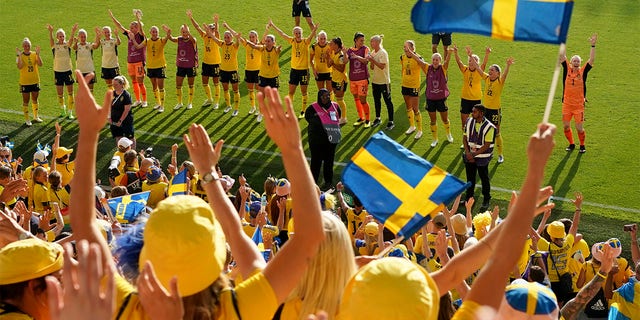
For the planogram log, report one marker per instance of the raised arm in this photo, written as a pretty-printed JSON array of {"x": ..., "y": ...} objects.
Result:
[
  {"x": 168, "y": 31},
  {"x": 488, "y": 288},
  {"x": 233, "y": 33},
  {"x": 212, "y": 35},
  {"x": 510, "y": 61},
  {"x": 138, "y": 14},
  {"x": 117, "y": 23},
  {"x": 571, "y": 309},
  {"x": 485, "y": 60},
  {"x": 447, "y": 58},
  {"x": 417, "y": 58},
  {"x": 576, "y": 216},
  {"x": 288, "y": 266},
  {"x": 135, "y": 42},
  {"x": 91, "y": 119},
  {"x": 279, "y": 31},
  {"x": 205, "y": 156},
  {"x": 592, "y": 52},
  {"x": 461, "y": 65},
  {"x": 313, "y": 32},
  {"x": 543, "y": 222},
  {"x": 195, "y": 23},
  {"x": 50, "y": 28}
]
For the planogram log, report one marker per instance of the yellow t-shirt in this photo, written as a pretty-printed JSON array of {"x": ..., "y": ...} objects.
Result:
[
  {"x": 253, "y": 58},
  {"x": 29, "y": 73},
  {"x": 560, "y": 255},
  {"x": 300, "y": 54},
  {"x": 337, "y": 75},
  {"x": 411, "y": 72},
  {"x": 40, "y": 197},
  {"x": 320, "y": 58},
  {"x": 471, "y": 84},
  {"x": 269, "y": 68},
  {"x": 158, "y": 192},
  {"x": 61, "y": 196},
  {"x": 155, "y": 53},
  {"x": 229, "y": 57},
  {"x": 255, "y": 299},
  {"x": 211, "y": 51},
  {"x": 492, "y": 93},
  {"x": 61, "y": 57},
  {"x": 354, "y": 220},
  {"x": 67, "y": 170}
]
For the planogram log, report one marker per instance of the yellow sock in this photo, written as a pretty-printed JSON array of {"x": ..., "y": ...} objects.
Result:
[
  {"x": 305, "y": 98},
  {"x": 34, "y": 108},
  {"x": 227, "y": 97},
  {"x": 179, "y": 94},
  {"x": 156, "y": 95},
  {"x": 25, "y": 110},
  {"x": 343, "y": 107},
  {"x": 70, "y": 102},
  {"x": 236, "y": 100},
  {"x": 61, "y": 100},
  {"x": 418, "y": 121},
  {"x": 161, "y": 94},
  {"x": 216, "y": 92},
  {"x": 191, "y": 90},
  {"x": 434, "y": 131},
  {"x": 252, "y": 97},
  {"x": 447, "y": 127},
  {"x": 499, "y": 144},
  {"x": 207, "y": 91},
  {"x": 411, "y": 116}
]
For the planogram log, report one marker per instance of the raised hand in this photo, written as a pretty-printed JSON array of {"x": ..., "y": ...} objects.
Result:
[
  {"x": 91, "y": 116},
  {"x": 281, "y": 125},
  {"x": 82, "y": 294},
  {"x": 201, "y": 151},
  {"x": 578, "y": 200},
  {"x": 157, "y": 302}
]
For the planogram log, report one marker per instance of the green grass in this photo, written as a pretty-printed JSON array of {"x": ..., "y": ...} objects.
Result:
[{"x": 603, "y": 174}]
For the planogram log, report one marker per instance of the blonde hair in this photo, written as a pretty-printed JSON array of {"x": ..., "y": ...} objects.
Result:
[
  {"x": 26, "y": 40},
  {"x": 123, "y": 80},
  {"x": 436, "y": 55},
  {"x": 82, "y": 31},
  {"x": 329, "y": 271},
  {"x": 378, "y": 37},
  {"x": 61, "y": 31}
]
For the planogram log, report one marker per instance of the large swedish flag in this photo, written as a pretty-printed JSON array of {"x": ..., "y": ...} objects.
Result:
[
  {"x": 128, "y": 207},
  {"x": 397, "y": 187},
  {"x": 178, "y": 184},
  {"x": 516, "y": 20}
]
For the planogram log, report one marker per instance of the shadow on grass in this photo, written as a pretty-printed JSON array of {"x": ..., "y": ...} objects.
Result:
[
  {"x": 553, "y": 181},
  {"x": 564, "y": 188}
]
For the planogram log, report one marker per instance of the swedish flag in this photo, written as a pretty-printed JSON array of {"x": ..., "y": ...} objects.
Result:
[
  {"x": 397, "y": 187},
  {"x": 178, "y": 184},
  {"x": 128, "y": 207},
  {"x": 515, "y": 20}
]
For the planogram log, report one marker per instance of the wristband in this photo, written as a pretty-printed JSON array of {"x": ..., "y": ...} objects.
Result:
[
  {"x": 604, "y": 276},
  {"x": 593, "y": 46}
]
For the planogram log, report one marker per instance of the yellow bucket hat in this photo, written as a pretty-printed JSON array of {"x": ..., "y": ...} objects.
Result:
[
  {"x": 183, "y": 238},
  {"x": 410, "y": 292},
  {"x": 556, "y": 230},
  {"x": 29, "y": 259}
]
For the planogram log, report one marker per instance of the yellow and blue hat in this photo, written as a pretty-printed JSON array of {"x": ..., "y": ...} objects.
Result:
[
  {"x": 283, "y": 187},
  {"x": 531, "y": 299}
]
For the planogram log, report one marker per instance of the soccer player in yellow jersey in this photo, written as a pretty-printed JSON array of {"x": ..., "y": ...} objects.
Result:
[
  {"x": 211, "y": 60},
  {"x": 28, "y": 62},
  {"x": 319, "y": 61},
  {"x": 411, "y": 78},
  {"x": 299, "y": 74},
  {"x": 156, "y": 65},
  {"x": 229, "y": 67},
  {"x": 494, "y": 83},
  {"x": 338, "y": 63},
  {"x": 471, "y": 84},
  {"x": 269, "y": 75},
  {"x": 253, "y": 59},
  {"x": 62, "y": 67}
]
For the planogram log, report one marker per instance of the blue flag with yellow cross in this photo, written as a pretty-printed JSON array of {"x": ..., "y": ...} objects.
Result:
[
  {"x": 545, "y": 21},
  {"x": 397, "y": 187},
  {"x": 128, "y": 207}
]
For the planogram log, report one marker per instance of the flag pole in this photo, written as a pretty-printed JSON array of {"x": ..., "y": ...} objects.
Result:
[
  {"x": 554, "y": 84},
  {"x": 389, "y": 247}
]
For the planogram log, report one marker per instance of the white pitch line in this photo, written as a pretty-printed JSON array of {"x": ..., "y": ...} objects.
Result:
[{"x": 342, "y": 164}]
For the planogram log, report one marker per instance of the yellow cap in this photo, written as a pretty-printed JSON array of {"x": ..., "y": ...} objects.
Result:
[
  {"x": 62, "y": 151},
  {"x": 556, "y": 230},
  {"x": 410, "y": 292},
  {"x": 29, "y": 259},
  {"x": 182, "y": 238},
  {"x": 371, "y": 229}
]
